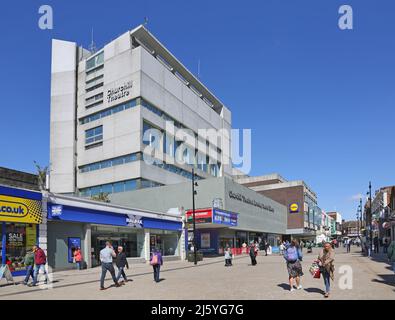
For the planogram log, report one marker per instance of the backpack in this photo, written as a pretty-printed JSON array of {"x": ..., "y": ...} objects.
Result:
[
  {"x": 292, "y": 254},
  {"x": 154, "y": 260}
]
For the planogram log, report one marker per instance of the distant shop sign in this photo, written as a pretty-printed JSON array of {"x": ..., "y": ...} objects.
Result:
[
  {"x": 224, "y": 217},
  {"x": 201, "y": 216},
  {"x": 294, "y": 207},
  {"x": 134, "y": 221}
]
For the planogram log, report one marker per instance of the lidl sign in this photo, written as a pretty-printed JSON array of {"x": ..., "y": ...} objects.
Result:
[
  {"x": 15, "y": 209},
  {"x": 294, "y": 207}
]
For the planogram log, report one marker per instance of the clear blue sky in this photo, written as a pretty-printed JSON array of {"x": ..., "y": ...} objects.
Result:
[{"x": 320, "y": 101}]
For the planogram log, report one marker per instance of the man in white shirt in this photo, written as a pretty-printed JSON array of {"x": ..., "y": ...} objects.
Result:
[{"x": 106, "y": 256}]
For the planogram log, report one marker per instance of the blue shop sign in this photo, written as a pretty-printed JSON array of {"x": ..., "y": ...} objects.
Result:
[
  {"x": 224, "y": 217},
  {"x": 56, "y": 210}
]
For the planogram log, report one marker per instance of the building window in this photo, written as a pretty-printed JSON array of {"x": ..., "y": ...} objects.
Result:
[
  {"x": 109, "y": 163},
  {"x": 116, "y": 187},
  {"x": 151, "y": 135},
  {"x": 108, "y": 112},
  {"x": 95, "y": 61},
  {"x": 94, "y": 135}
]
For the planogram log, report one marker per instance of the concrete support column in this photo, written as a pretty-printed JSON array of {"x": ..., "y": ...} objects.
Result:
[
  {"x": 43, "y": 227},
  {"x": 88, "y": 245},
  {"x": 146, "y": 245}
]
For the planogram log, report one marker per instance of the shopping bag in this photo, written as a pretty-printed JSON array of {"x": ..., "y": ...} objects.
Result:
[{"x": 317, "y": 274}]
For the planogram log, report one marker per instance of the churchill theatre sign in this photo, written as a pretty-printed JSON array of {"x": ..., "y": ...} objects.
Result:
[
  {"x": 119, "y": 92},
  {"x": 252, "y": 202}
]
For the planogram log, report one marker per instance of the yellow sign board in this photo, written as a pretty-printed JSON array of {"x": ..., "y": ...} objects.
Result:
[
  {"x": 14, "y": 209},
  {"x": 294, "y": 207}
]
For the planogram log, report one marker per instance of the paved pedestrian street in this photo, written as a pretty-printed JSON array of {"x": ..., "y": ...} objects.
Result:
[{"x": 371, "y": 279}]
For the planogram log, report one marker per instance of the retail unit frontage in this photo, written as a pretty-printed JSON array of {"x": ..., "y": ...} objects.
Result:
[
  {"x": 227, "y": 213},
  {"x": 75, "y": 222},
  {"x": 20, "y": 217}
]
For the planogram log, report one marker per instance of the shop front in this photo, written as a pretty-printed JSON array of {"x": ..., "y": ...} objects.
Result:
[
  {"x": 213, "y": 234},
  {"x": 20, "y": 216},
  {"x": 89, "y": 225}
]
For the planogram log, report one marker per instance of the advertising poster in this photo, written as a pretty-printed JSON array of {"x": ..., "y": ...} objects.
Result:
[
  {"x": 72, "y": 244},
  {"x": 205, "y": 240}
]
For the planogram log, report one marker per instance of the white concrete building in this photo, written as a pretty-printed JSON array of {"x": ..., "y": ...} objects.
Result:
[{"x": 102, "y": 103}]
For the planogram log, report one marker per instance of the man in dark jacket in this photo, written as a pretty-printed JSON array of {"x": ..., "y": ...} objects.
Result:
[
  {"x": 40, "y": 260},
  {"x": 121, "y": 263}
]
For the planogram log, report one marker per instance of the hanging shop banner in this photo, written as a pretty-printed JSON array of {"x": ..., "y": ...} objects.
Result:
[
  {"x": 20, "y": 210},
  {"x": 201, "y": 216},
  {"x": 224, "y": 217}
]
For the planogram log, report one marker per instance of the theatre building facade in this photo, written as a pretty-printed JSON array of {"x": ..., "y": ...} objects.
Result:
[{"x": 227, "y": 214}]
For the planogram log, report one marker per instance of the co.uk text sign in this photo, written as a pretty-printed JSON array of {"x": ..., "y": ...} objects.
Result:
[{"x": 14, "y": 209}]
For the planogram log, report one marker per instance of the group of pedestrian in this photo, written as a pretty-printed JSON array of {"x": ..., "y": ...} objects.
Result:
[
  {"x": 35, "y": 262},
  {"x": 293, "y": 256},
  {"x": 108, "y": 257}
]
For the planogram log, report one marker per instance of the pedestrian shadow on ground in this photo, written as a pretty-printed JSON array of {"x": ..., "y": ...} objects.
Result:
[
  {"x": 18, "y": 283},
  {"x": 387, "y": 279},
  {"x": 314, "y": 290},
  {"x": 161, "y": 279},
  {"x": 285, "y": 286}
]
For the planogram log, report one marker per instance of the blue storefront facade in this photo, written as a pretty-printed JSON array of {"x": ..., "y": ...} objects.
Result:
[{"x": 75, "y": 222}]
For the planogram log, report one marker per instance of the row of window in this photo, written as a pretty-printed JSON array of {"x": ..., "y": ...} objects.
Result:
[
  {"x": 174, "y": 169},
  {"x": 89, "y": 101},
  {"x": 95, "y": 61},
  {"x": 190, "y": 156},
  {"x": 122, "y": 186},
  {"x": 108, "y": 112},
  {"x": 133, "y": 103},
  {"x": 109, "y": 163}
]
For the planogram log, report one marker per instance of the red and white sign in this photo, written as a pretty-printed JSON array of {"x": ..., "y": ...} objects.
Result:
[{"x": 201, "y": 216}]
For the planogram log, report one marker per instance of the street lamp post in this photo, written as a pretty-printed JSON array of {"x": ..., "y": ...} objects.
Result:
[
  {"x": 370, "y": 218},
  {"x": 193, "y": 216}
]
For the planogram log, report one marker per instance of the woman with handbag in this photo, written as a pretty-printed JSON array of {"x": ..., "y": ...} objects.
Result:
[{"x": 325, "y": 261}]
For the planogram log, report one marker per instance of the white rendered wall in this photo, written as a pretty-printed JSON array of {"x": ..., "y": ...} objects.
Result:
[{"x": 63, "y": 108}]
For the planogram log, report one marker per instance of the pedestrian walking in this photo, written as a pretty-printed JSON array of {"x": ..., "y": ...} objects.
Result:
[
  {"x": 376, "y": 245},
  {"x": 253, "y": 253},
  {"x": 228, "y": 257},
  {"x": 326, "y": 260},
  {"x": 391, "y": 254},
  {"x": 282, "y": 248},
  {"x": 293, "y": 256},
  {"x": 348, "y": 245},
  {"x": 106, "y": 256},
  {"x": 77, "y": 257},
  {"x": 156, "y": 262},
  {"x": 266, "y": 245},
  {"x": 385, "y": 245},
  {"x": 28, "y": 261},
  {"x": 40, "y": 260},
  {"x": 121, "y": 263}
]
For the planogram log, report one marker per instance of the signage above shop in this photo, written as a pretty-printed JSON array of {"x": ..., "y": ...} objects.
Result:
[
  {"x": 201, "y": 216},
  {"x": 242, "y": 198},
  {"x": 224, "y": 217},
  {"x": 15, "y": 209},
  {"x": 56, "y": 210},
  {"x": 134, "y": 221},
  {"x": 119, "y": 92},
  {"x": 294, "y": 207}
]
